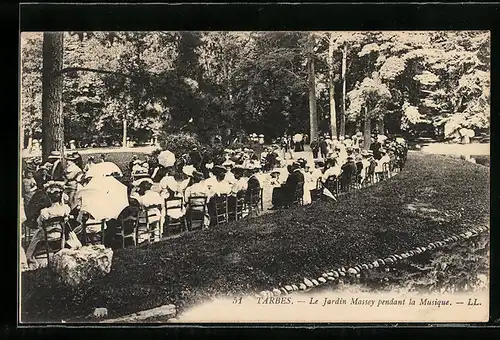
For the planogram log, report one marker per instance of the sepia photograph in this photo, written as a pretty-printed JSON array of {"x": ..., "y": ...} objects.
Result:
[{"x": 186, "y": 177}]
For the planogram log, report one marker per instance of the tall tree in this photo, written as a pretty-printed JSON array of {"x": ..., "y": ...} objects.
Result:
[
  {"x": 313, "y": 116},
  {"x": 52, "y": 86},
  {"x": 344, "y": 94},
  {"x": 331, "y": 85}
]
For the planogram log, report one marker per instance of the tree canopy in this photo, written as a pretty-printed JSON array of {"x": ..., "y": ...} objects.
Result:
[{"x": 229, "y": 83}]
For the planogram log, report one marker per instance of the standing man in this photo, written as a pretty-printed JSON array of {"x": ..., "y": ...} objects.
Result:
[
  {"x": 284, "y": 145},
  {"x": 315, "y": 148},
  {"x": 323, "y": 147},
  {"x": 375, "y": 147}
]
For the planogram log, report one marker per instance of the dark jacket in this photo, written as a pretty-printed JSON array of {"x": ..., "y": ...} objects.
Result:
[
  {"x": 294, "y": 185},
  {"x": 39, "y": 201},
  {"x": 314, "y": 145},
  {"x": 375, "y": 147},
  {"x": 349, "y": 171},
  {"x": 253, "y": 187},
  {"x": 323, "y": 146}
]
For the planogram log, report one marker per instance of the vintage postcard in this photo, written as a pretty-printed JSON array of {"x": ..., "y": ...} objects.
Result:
[{"x": 260, "y": 177}]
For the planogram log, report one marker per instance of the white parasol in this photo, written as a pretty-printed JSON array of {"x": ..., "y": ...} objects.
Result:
[
  {"x": 297, "y": 137},
  {"x": 103, "y": 197},
  {"x": 103, "y": 169},
  {"x": 166, "y": 158}
]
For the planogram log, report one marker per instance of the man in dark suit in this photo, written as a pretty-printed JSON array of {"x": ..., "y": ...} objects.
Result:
[
  {"x": 294, "y": 186},
  {"x": 375, "y": 147},
  {"x": 349, "y": 171}
]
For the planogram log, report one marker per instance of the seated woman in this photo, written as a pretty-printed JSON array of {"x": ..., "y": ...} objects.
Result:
[
  {"x": 198, "y": 188},
  {"x": 279, "y": 193},
  {"x": 331, "y": 168},
  {"x": 379, "y": 168},
  {"x": 152, "y": 202},
  {"x": 172, "y": 188},
  {"x": 309, "y": 184},
  {"x": 38, "y": 201},
  {"x": 238, "y": 190},
  {"x": 217, "y": 187},
  {"x": 54, "y": 191}
]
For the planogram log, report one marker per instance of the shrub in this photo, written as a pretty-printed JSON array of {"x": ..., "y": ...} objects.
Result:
[{"x": 179, "y": 143}]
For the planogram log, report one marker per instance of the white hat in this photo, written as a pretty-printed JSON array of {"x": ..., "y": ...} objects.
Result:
[
  {"x": 228, "y": 163},
  {"x": 139, "y": 181},
  {"x": 188, "y": 170}
]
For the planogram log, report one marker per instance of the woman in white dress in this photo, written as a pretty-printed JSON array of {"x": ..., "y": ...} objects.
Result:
[
  {"x": 198, "y": 188},
  {"x": 57, "y": 209},
  {"x": 309, "y": 184},
  {"x": 173, "y": 186},
  {"x": 151, "y": 201}
]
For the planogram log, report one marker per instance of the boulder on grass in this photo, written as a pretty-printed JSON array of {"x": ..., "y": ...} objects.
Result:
[{"x": 76, "y": 266}]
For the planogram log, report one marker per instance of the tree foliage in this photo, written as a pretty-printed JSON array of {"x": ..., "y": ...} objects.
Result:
[{"x": 233, "y": 83}]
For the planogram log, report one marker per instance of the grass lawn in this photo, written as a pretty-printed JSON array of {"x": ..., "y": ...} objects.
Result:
[{"x": 434, "y": 196}]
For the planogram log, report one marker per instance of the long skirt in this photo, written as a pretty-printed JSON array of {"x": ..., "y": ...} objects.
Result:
[{"x": 297, "y": 147}]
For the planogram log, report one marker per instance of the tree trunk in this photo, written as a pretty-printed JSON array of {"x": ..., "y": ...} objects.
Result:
[
  {"x": 333, "y": 112},
  {"x": 313, "y": 117},
  {"x": 52, "y": 85},
  {"x": 344, "y": 66},
  {"x": 381, "y": 126},
  {"x": 367, "y": 132},
  {"x": 124, "y": 137},
  {"x": 358, "y": 125}
]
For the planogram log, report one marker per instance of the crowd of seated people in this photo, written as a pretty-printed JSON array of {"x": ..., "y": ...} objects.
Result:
[{"x": 198, "y": 191}]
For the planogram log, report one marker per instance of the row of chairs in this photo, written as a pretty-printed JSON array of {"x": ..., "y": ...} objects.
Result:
[
  {"x": 335, "y": 186},
  {"x": 140, "y": 222}
]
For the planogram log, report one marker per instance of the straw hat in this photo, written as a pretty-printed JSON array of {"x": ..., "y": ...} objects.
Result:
[
  {"x": 142, "y": 180},
  {"x": 228, "y": 163},
  {"x": 53, "y": 187},
  {"x": 219, "y": 168},
  {"x": 188, "y": 170},
  {"x": 55, "y": 155}
]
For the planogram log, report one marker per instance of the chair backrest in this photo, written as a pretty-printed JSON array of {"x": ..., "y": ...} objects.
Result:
[
  {"x": 197, "y": 208},
  {"x": 331, "y": 183},
  {"x": 48, "y": 226},
  {"x": 220, "y": 202},
  {"x": 254, "y": 195},
  {"x": 299, "y": 191},
  {"x": 174, "y": 203},
  {"x": 197, "y": 203},
  {"x": 54, "y": 221},
  {"x": 151, "y": 211}
]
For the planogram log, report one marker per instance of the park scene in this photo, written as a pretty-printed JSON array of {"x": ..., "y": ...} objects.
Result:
[{"x": 161, "y": 170}]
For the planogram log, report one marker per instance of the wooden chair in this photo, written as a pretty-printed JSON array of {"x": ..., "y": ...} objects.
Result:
[
  {"x": 239, "y": 205},
  {"x": 174, "y": 225},
  {"x": 196, "y": 211},
  {"x": 56, "y": 227},
  {"x": 89, "y": 222},
  {"x": 254, "y": 201},
  {"x": 298, "y": 198},
  {"x": 146, "y": 226},
  {"x": 386, "y": 170},
  {"x": 27, "y": 235},
  {"x": 221, "y": 209},
  {"x": 128, "y": 224},
  {"x": 332, "y": 184}
]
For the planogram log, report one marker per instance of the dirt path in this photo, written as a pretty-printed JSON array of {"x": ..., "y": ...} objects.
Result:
[{"x": 457, "y": 149}]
